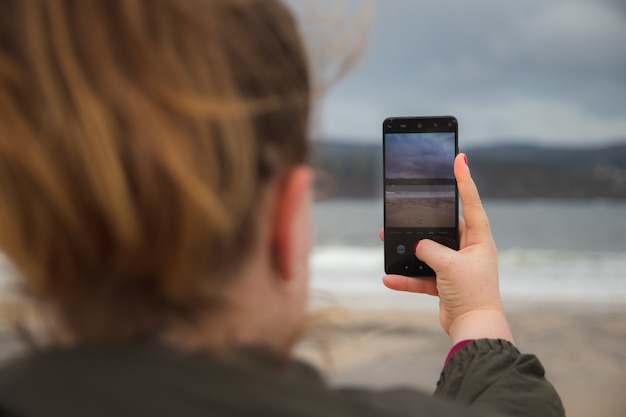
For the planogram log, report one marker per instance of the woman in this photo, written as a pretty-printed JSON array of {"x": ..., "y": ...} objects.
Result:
[{"x": 155, "y": 198}]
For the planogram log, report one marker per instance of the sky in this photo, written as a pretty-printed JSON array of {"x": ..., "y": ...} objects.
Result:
[
  {"x": 419, "y": 155},
  {"x": 551, "y": 72}
]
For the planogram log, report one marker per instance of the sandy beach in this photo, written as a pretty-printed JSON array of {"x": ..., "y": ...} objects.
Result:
[
  {"x": 581, "y": 347},
  {"x": 420, "y": 211}
]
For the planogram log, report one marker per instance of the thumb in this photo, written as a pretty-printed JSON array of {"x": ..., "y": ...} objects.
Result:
[{"x": 434, "y": 254}]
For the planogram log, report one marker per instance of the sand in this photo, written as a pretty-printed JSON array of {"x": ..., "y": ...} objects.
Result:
[
  {"x": 420, "y": 212},
  {"x": 581, "y": 347}
]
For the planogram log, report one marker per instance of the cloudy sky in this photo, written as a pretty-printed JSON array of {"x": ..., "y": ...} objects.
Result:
[
  {"x": 553, "y": 71},
  {"x": 419, "y": 155}
]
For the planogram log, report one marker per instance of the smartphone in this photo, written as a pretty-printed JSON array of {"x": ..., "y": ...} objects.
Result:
[{"x": 420, "y": 195}]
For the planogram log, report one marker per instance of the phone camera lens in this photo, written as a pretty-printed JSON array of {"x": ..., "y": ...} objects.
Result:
[
  {"x": 419, "y": 125},
  {"x": 436, "y": 124}
]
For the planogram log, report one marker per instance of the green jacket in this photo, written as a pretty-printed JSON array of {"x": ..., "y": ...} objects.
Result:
[{"x": 486, "y": 378}]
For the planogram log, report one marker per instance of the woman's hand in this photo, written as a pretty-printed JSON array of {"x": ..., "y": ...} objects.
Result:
[{"x": 467, "y": 280}]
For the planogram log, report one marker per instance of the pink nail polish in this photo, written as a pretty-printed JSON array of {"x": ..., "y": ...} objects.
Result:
[{"x": 465, "y": 158}]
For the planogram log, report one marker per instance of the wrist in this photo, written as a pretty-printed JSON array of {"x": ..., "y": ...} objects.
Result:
[
  {"x": 481, "y": 324},
  {"x": 457, "y": 347}
]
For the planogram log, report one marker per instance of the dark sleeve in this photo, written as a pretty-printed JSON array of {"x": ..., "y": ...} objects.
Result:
[{"x": 494, "y": 374}]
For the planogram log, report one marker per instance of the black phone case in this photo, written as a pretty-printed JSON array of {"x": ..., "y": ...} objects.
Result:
[{"x": 408, "y": 216}]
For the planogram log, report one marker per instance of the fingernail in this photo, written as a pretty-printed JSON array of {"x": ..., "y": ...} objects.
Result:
[
  {"x": 465, "y": 158},
  {"x": 415, "y": 247}
]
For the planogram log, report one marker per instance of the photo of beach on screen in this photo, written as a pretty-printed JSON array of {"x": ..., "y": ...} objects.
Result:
[{"x": 420, "y": 188}]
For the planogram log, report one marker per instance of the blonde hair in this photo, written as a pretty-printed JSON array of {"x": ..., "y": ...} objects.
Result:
[{"x": 135, "y": 138}]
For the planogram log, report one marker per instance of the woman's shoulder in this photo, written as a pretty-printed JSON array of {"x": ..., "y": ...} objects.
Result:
[{"x": 156, "y": 380}]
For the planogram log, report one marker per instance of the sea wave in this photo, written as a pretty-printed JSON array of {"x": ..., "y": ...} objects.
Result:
[{"x": 352, "y": 277}]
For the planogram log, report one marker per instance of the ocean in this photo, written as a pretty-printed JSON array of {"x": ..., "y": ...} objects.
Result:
[
  {"x": 571, "y": 252},
  {"x": 549, "y": 252}
]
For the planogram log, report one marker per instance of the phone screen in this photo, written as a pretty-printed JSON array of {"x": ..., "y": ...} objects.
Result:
[{"x": 421, "y": 197}]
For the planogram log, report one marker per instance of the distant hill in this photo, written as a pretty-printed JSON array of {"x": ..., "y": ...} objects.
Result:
[
  {"x": 347, "y": 170},
  {"x": 501, "y": 171}
]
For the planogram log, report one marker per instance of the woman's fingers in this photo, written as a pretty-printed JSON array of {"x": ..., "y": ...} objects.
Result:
[
  {"x": 411, "y": 284},
  {"x": 436, "y": 255},
  {"x": 462, "y": 228},
  {"x": 476, "y": 222}
]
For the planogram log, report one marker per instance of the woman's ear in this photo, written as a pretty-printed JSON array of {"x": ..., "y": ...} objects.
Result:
[{"x": 291, "y": 230}]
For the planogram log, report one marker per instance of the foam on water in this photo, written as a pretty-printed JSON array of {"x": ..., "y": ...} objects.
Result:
[{"x": 352, "y": 276}]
